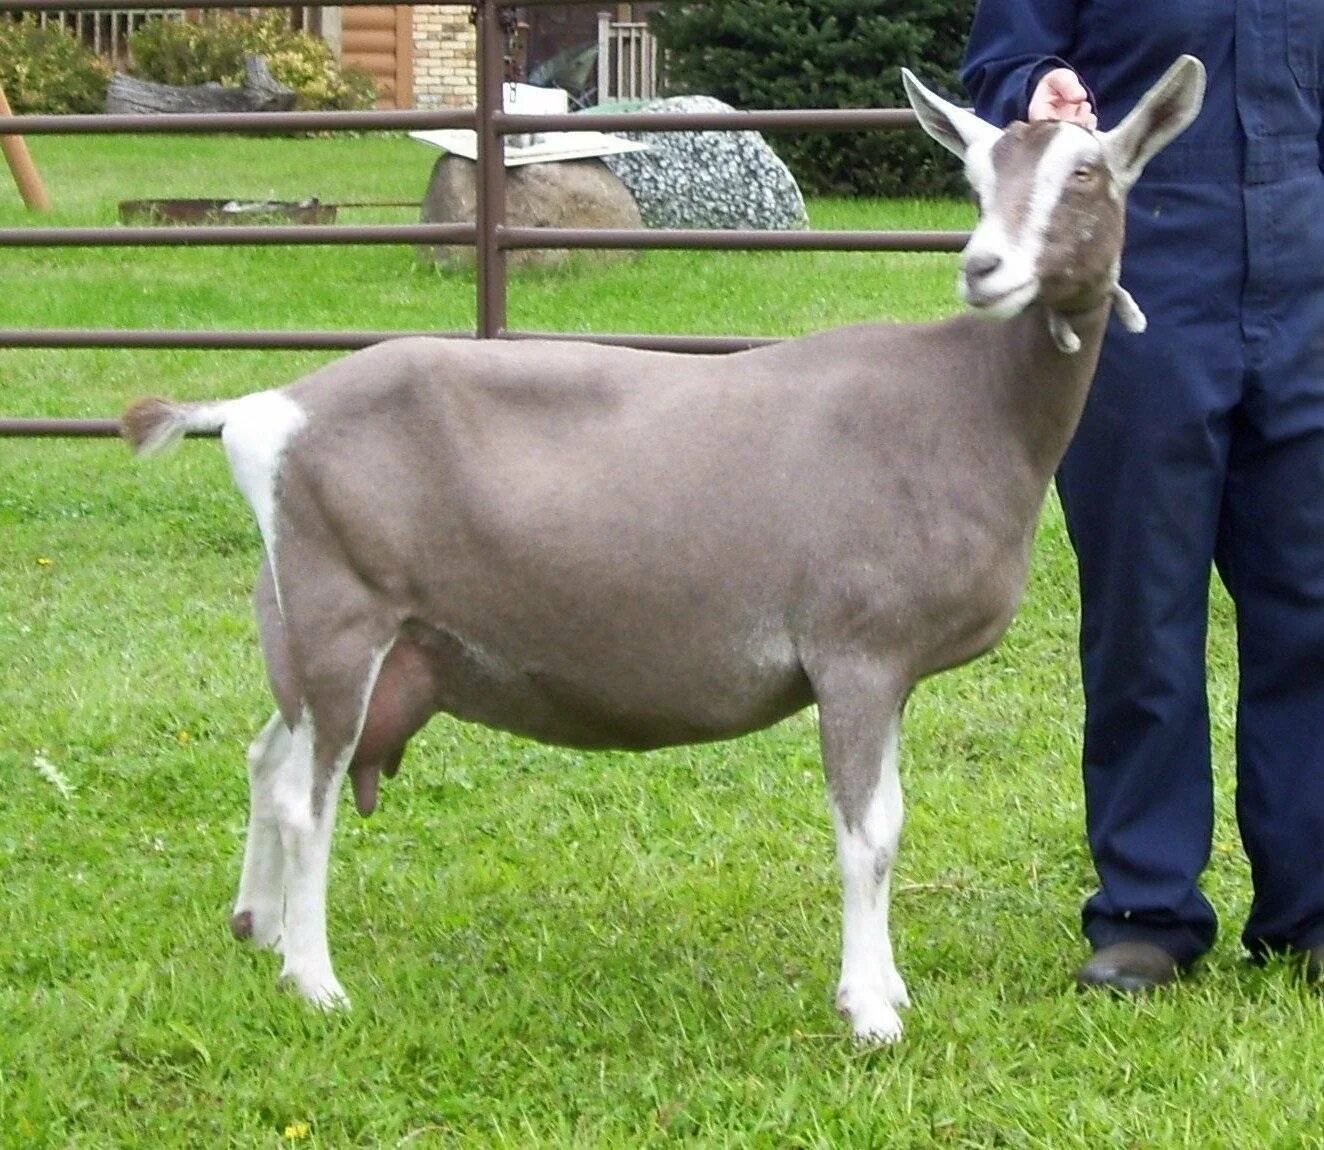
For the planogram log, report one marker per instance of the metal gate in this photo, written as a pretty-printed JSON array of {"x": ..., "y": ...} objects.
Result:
[{"x": 492, "y": 237}]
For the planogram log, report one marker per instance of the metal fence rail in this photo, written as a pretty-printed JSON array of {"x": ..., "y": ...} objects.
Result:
[
  {"x": 233, "y": 235},
  {"x": 235, "y": 123},
  {"x": 491, "y": 237}
]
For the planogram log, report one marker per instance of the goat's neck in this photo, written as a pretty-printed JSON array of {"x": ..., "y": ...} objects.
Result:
[{"x": 1043, "y": 387}]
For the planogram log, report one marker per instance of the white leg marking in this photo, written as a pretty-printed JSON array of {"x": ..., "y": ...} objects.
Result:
[
  {"x": 305, "y": 839},
  {"x": 301, "y": 851},
  {"x": 871, "y": 988},
  {"x": 261, "y": 892}
]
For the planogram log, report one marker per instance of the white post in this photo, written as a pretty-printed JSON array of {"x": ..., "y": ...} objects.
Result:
[
  {"x": 604, "y": 56},
  {"x": 331, "y": 29}
]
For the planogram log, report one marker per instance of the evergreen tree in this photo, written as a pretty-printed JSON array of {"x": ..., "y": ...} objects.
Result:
[{"x": 826, "y": 54}]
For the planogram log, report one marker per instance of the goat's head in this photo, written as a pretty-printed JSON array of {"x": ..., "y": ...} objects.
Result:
[{"x": 1052, "y": 198}]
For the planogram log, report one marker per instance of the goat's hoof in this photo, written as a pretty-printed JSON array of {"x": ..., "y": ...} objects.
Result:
[
  {"x": 873, "y": 1019},
  {"x": 262, "y": 930},
  {"x": 322, "y": 991},
  {"x": 894, "y": 987}
]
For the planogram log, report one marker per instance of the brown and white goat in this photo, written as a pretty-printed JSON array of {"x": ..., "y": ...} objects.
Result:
[{"x": 600, "y": 547}]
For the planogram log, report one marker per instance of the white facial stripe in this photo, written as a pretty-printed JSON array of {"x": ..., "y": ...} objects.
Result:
[
  {"x": 1067, "y": 151},
  {"x": 1014, "y": 284},
  {"x": 990, "y": 238}
]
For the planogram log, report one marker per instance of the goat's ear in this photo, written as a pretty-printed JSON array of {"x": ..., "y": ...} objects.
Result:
[
  {"x": 1164, "y": 112},
  {"x": 954, "y": 128}
]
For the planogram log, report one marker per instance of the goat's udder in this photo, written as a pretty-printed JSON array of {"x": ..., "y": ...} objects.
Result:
[
  {"x": 366, "y": 780},
  {"x": 401, "y": 702},
  {"x": 366, "y": 777}
]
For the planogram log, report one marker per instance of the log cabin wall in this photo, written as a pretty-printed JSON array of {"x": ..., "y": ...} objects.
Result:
[{"x": 379, "y": 40}]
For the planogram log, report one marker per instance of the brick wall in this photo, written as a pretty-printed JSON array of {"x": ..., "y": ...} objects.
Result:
[{"x": 445, "y": 73}]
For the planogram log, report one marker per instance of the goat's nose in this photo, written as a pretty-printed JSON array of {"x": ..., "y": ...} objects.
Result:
[{"x": 978, "y": 265}]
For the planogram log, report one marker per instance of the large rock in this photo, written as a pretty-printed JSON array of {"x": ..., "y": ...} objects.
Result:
[
  {"x": 708, "y": 179},
  {"x": 566, "y": 194}
]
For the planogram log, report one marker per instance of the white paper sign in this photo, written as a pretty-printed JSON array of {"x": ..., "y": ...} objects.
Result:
[{"x": 535, "y": 148}]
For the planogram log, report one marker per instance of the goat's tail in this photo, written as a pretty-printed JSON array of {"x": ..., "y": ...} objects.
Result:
[{"x": 154, "y": 425}]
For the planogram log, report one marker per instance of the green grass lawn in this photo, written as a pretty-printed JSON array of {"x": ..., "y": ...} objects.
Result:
[{"x": 543, "y": 947}]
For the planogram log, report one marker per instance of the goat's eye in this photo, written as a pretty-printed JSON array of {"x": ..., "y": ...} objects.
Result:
[{"x": 1083, "y": 175}]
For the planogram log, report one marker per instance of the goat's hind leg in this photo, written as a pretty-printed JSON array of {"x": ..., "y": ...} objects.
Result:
[
  {"x": 860, "y": 720},
  {"x": 305, "y": 792},
  {"x": 259, "y": 906},
  {"x": 345, "y": 668}
]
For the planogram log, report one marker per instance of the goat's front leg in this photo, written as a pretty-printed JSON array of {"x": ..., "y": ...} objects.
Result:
[
  {"x": 259, "y": 907},
  {"x": 860, "y": 720},
  {"x": 306, "y": 813}
]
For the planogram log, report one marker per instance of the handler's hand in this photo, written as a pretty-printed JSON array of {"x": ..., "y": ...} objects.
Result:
[{"x": 1061, "y": 96}]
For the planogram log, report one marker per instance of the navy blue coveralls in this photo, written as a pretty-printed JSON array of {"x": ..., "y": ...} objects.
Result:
[{"x": 1203, "y": 439}]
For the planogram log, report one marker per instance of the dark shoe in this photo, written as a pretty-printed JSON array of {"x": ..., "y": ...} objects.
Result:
[
  {"x": 1315, "y": 965},
  {"x": 1128, "y": 967}
]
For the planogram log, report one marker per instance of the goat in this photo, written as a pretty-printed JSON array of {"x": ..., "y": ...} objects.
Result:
[{"x": 607, "y": 548}]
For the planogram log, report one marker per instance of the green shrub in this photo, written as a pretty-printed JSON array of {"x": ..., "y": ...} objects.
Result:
[
  {"x": 46, "y": 71},
  {"x": 826, "y": 54},
  {"x": 176, "y": 52}
]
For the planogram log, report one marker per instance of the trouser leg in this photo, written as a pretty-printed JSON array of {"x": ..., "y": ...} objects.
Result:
[
  {"x": 1141, "y": 487},
  {"x": 1271, "y": 555}
]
